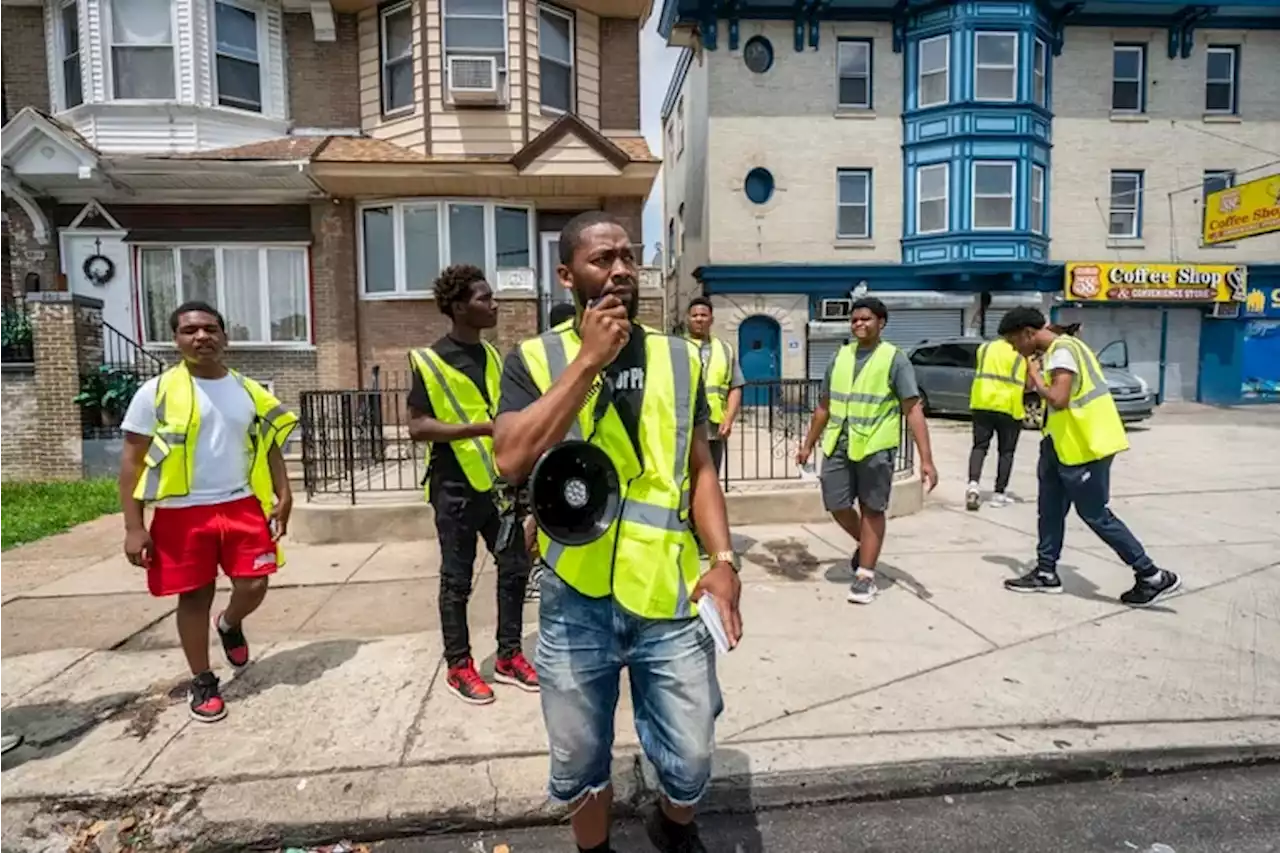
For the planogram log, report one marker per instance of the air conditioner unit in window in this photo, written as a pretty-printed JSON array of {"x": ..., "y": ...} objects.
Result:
[
  {"x": 1226, "y": 310},
  {"x": 518, "y": 278},
  {"x": 474, "y": 80},
  {"x": 835, "y": 309}
]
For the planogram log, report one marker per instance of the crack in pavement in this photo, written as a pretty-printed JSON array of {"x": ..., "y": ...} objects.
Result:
[{"x": 415, "y": 728}]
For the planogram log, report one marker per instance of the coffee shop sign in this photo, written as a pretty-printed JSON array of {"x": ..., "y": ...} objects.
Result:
[{"x": 1101, "y": 281}]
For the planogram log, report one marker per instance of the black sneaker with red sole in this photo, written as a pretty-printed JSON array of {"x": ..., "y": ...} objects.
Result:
[
  {"x": 205, "y": 699},
  {"x": 234, "y": 645}
]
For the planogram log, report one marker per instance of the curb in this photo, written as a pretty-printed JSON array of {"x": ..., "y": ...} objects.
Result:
[{"x": 508, "y": 793}]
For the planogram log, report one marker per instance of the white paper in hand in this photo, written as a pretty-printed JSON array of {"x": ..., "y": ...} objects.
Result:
[{"x": 709, "y": 612}]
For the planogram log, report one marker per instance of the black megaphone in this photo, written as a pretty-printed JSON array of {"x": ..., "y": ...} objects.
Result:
[{"x": 574, "y": 493}]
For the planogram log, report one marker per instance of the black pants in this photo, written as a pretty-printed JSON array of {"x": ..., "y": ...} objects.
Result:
[
  {"x": 461, "y": 515},
  {"x": 1006, "y": 429}
]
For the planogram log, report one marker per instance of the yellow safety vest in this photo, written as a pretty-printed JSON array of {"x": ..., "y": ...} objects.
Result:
[
  {"x": 1000, "y": 380},
  {"x": 456, "y": 400},
  {"x": 717, "y": 376},
  {"x": 171, "y": 460},
  {"x": 1089, "y": 428},
  {"x": 648, "y": 558},
  {"x": 865, "y": 405}
]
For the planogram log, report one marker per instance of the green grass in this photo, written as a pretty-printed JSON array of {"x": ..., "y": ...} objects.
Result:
[{"x": 31, "y": 511}]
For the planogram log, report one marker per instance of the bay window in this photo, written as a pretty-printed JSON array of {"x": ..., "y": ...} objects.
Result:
[
  {"x": 397, "y": 57},
  {"x": 405, "y": 245},
  {"x": 933, "y": 76},
  {"x": 933, "y": 195},
  {"x": 993, "y": 195},
  {"x": 476, "y": 28},
  {"x": 237, "y": 61},
  {"x": 142, "y": 50},
  {"x": 995, "y": 61},
  {"x": 69, "y": 53},
  {"x": 555, "y": 58},
  {"x": 260, "y": 290}
]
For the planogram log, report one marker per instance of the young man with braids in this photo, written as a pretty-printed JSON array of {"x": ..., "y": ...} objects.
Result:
[{"x": 451, "y": 406}]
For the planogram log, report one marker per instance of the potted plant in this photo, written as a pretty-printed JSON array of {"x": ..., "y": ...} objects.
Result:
[{"x": 108, "y": 391}]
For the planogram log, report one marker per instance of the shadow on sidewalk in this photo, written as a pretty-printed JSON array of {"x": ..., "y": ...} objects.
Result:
[
  {"x": 1073, "y": 583},
  {"x": 888, "y": 576},
  {"x": 295, "y": 667},
  {"x": 731, "y": 792}
]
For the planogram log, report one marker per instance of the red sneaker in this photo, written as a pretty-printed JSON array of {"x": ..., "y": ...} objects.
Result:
[
  {"x": 516, "y": 670},
  {"x": 467, "y": 684},
  {"x": 205, "y": 699}
]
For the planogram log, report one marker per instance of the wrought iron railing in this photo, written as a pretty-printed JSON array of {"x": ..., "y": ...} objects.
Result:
[
  {"x": 107, "y": 387},
  {"x": 356, "y": 442},
  {"x": 16, "y": 338}
]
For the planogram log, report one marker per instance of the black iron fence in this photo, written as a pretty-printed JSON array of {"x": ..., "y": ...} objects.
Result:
[
  {"x": 107, "y": 388},
  {"x": 16, "y": 339},
  {"x": 356, "y": 443}
]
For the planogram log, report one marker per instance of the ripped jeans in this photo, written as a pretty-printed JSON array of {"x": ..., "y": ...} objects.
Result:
[{"x": 583, "y": 644}]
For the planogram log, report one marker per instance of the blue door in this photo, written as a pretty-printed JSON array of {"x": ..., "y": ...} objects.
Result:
[{"x": 760, "y": 353}]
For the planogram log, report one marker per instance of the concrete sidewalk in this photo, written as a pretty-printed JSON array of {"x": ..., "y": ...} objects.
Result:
[{"x": 341, "y": 725}]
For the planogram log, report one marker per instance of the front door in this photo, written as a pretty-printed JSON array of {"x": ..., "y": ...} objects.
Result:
[
  {"x": 96, "y": 264},
  {"x": 760, "y": 356},
  {"x": 549, "y": 291}
]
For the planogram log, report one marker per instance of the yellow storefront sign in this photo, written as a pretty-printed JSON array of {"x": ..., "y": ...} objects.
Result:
[
  {"x": 1245, "y": 211},
  {"x": 1104, "y": 281}
]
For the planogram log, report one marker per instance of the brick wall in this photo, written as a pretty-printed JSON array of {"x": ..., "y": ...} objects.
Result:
[
  {"x": 620, "y": 74},
  {"x": 20, "y": 438},
  {"x": 335, "y": 305},
  {"x": 22, "y": 64},
  {"x": 27, "y": 254},
  {"x": 324, "y": 77},
  {"x": 290, "y": 372},
  {"x": 58, "y": 320},
  {"x": 629, "y": 210}
]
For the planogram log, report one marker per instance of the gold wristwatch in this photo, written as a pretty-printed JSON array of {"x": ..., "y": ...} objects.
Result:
[{"x": 726, "y": 557}]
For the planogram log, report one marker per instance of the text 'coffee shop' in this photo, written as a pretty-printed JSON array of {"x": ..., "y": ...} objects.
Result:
[{"x": 1157, "y": 311}]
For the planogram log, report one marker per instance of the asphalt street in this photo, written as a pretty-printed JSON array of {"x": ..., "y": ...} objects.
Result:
[{"x": 1221, "y": 811}]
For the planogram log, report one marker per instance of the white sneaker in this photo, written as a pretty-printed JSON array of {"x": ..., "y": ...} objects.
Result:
[
  {"x": 972, "y": 497},
  {"x": 1000, "y": 499}
]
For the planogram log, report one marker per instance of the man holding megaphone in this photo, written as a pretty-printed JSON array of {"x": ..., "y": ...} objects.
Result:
[{"x": 635, "y": 402}]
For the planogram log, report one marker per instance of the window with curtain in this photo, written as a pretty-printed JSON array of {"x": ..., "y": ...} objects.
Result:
[
  {"x": 555, "y": 58},
  {"x": 69, "y": 49},
  {"x": 142, "y": 50},
  {"x": 405, "y": 245},
  {"x": 238, "y": 64},
  {"x": 260, "y": 290},
  {"x": 397, "y": 57}
]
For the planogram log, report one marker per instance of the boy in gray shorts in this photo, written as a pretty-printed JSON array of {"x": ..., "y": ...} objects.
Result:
[{"x": 869, "y": 386}]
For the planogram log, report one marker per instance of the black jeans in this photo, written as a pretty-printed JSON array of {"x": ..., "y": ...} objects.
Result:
[
  {"x": 461, "y": 515},
  {"x": 1087, "y": 486},
  {"x": 1006, "y": 430}
]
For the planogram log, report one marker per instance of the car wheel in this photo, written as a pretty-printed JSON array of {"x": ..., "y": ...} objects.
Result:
[{"x": 1031, "y": 417}]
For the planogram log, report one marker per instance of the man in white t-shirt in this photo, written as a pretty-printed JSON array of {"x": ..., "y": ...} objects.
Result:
[{"x": 202, "y": 445}]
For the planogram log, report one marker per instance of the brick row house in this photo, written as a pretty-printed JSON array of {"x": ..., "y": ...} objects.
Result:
[{"x": 309, "y": 167}]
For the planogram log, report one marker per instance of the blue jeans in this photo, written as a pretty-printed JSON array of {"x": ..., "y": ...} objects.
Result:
[
  {"x": 583, "y": 644},
  {"x": 1087, "y": 486}
]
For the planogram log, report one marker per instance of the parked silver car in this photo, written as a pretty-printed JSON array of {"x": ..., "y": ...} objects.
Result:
[{"x": 945, "y": 369}]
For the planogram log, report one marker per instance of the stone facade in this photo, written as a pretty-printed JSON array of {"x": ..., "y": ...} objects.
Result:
[
  {"x": 791, "y": 312},
  {"x": 29, "y": 255}
]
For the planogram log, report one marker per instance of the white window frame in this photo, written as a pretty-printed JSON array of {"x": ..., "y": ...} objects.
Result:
[
  {"x": 859, "y": 44},
  {"x": 110, "y": 58},
  {"x": 974, "y": 195},
  {"x": 384, "y": 62},
  {"x": 1139, "y": 180},
  {"x": 555, "y": 11},
  {"x": 399, "y": 206},
  {"x": 260, "y": 23},
  {"x": 1038, "y": 177},
  {"x": 504, "y": 62},
  {"x": 1233, "y": 81},
  {"x": 979, "y": 66},
  {"x": 1040, "y": 73},
  {"x": 945, "y": 71},
  {"x": 220, "y": 288},
  {"x": 1141, "y": 51},
  {"x": 865, "y": 174},
  {"x": 64, "y": 54},
  {"x": 945, "y": 198}
]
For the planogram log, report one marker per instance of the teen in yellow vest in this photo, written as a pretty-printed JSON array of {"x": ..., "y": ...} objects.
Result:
[
  {"x": 721, "y": 372},
  {"x": 202, "y": 445},
  {"x": 1082, "y": 434},
  {"x": 630, "y": 598},
  {"x": 869, "y": 385},
  {"x": 995, "y": 401},
  {"x": 451, "y": 407}
]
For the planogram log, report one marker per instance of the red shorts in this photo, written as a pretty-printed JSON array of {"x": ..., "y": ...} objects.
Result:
[{"x": 189, "y": 543}]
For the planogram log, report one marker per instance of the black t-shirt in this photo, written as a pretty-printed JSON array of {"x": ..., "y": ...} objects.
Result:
[
  {"x": 626, "y": 375},
  {"x": 470, "y": 360}
]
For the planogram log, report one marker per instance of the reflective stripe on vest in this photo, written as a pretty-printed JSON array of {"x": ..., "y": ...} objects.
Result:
[
  {"x": 1000, "y": 380},
  {"x": 447, "y": 387},
  {"x": 863, "y": 406},
  {"x": 652, "y": 529},
  {"x": 169, "y": 464},
  {"x": 1089, "y": 428}
]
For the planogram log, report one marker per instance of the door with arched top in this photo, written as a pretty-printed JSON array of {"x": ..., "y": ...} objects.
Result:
[{"x": 760, "y": 353}]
